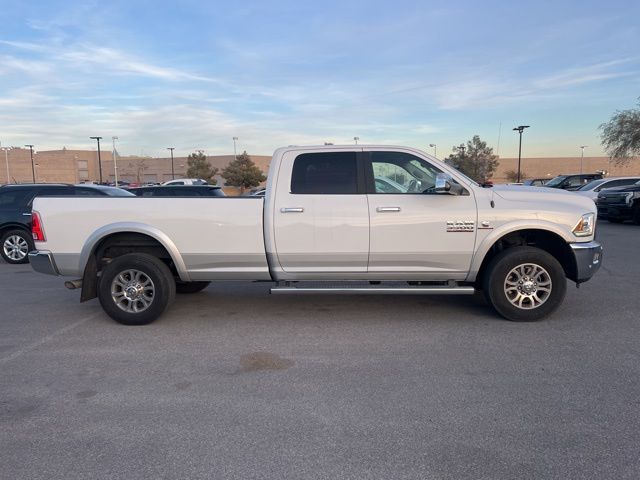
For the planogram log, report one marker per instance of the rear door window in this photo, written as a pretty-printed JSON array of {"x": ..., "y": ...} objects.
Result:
[
  {"x": 15, "y": 198},
  {"x": 332, "y": 173}
]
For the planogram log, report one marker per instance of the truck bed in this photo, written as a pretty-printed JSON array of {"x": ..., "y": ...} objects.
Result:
[{"x": 213, "y": 237}]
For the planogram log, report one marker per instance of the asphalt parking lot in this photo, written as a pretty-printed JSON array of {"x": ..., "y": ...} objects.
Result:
[{"x": 233, "y": 383}]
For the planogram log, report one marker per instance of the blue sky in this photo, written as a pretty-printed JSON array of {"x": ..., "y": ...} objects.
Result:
[{"x": 194, "y": 74}]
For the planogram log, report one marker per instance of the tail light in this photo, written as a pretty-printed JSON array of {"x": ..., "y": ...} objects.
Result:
[{"x": 36, "y": 227}]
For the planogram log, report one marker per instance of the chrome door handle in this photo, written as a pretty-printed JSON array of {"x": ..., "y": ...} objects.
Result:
[
  {"x": 292, "y": 210},
  {"x": 388, "y": 209}
]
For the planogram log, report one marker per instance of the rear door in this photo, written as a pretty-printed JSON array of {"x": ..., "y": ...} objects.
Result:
[{"x": 321, "y": 215}]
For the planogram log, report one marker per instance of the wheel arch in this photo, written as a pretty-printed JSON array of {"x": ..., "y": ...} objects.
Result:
[{"x": 551, "y": 240}]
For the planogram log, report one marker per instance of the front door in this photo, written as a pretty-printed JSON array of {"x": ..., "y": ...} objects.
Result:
[
  {"x": 321, "y": 215},
  {"x": 413, "y": 229}
]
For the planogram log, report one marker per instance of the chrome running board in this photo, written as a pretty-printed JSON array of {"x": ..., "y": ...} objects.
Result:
[{"x": 374, "y": 290}]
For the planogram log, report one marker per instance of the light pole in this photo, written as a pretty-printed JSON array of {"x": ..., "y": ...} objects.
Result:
[
  {"x": 235, "y": 155},
  {"x": 173, "y": 173},
  {"x": 115, "y": 160},
  {"x": 435, "y": 149},
  {"x": 582, "y": 147},
  {"x": 99, "y": 159},
  {"x": 355, "y": 139},
  {"x": 6, "y": 160},
  {"x": 33, "y": 167},
  {"x": 520, "y": 129}
]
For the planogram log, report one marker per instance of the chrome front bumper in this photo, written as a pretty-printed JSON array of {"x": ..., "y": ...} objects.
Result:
[
  {"x": 42, "y": 262},
  {"x": 588, "y": 257}
]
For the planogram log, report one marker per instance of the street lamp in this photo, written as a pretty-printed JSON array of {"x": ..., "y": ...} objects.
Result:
[
  {"x": 33, "y": 167},
  {"x": 115, "y": 160},
  {"x": 355, "y": 139},
  {"x": 173, "y": 173},
  {"x": 582, "y": 147},
  {"x": 99, "y": 159},
  {"x": 520, "y": 129},
  {"x": 235, "y": 155},
  {"x": 6, "y": 160},
  {"x": 435, "y": 149}
]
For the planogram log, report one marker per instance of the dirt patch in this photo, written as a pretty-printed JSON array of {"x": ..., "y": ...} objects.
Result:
[{"x": 252, "y": 362}]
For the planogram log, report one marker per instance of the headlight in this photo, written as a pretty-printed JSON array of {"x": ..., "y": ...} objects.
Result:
[{"x": 585, "y": 226}]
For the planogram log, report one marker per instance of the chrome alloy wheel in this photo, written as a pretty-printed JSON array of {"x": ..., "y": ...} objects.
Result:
[
  {"x": 132, "y": 291},
  {"x": 528, "y": 286},
  {"x": 15, "y": 247}
]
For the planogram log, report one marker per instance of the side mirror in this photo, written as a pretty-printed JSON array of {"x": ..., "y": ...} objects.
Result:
[{"x": 445, "y": 184}]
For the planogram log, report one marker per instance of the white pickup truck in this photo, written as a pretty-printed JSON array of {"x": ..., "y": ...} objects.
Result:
[{"x": 349, "y": 219}]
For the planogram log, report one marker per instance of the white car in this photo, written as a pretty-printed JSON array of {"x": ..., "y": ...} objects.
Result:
[
  {"x": 592, "y": 188},
  {"x": 378, "y": 219},
  {"x": 186, "y": 181}
]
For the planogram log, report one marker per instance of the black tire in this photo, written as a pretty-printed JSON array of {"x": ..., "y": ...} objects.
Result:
[
  {"x": 9, "y": 254},
  {"x": 151, "y": 268},
  {"x": 191, "y": 287},
  {"x": 502, "y": 268}
]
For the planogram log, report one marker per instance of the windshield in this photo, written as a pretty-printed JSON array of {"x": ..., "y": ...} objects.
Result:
[
  {"x": 591, "y": 185},
  {"x": 554, "y": 182}
]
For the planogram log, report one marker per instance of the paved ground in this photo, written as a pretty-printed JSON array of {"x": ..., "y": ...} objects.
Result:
[{"x": 233, "y": 383}]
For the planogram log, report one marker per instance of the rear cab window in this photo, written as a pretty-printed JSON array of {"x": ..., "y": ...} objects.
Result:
[{"x": 331, "y": 173}]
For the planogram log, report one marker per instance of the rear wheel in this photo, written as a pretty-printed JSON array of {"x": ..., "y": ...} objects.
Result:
[
  {"x": 191, "y": 287},
  {"x": 16, "y": 244},
  {"x": 525, "y": 284},
  {"x": 136, "y": 288}
]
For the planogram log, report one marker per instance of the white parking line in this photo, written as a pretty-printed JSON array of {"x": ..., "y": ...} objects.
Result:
[{"x": 44, "y": 340}]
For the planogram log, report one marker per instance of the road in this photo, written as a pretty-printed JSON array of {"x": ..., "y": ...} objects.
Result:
[{"x": 235, "y": 384}]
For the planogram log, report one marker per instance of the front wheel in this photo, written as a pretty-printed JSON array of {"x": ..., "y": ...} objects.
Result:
[
  {"x": 136, "y": 288},
  {"x": 525, "y": 284}
]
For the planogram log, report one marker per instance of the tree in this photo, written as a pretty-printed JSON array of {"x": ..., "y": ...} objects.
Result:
[
  {"x": 475, "y": 159},
  {"x": 243, "y": 173},
  {"x": 621, "y": 134},
  {"x": 199, "y": 167},
  {"x": 512, "y": 175}
]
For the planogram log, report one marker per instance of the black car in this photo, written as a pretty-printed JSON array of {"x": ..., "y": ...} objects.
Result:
[
  {"x": 178, "y": 191},
  {"x": 620, "y": 204},
  {"x": 572, "y": 182},
  {"x": 15, "y": 212}
]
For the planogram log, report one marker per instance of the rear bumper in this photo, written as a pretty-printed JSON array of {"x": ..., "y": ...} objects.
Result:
[
  {"x": 42, "y": 262},
  {"x": 588, "y": 257}
]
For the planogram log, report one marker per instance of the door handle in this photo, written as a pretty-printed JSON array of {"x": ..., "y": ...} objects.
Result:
[
  {"x": 292, "y": 210},
  {"x": 387, "y": 209}
]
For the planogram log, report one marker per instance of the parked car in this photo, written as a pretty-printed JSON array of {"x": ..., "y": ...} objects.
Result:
[
  {"x": 535, "y": 182},
  {"x": 186, "y": 181},
  {"x": 593, "y": 188},
  {"x": 572, "y": 182},
  {"x": 620, "y": 204},
  {"x": 324, "y": 219},
  {"x": 177, "y": 191},
  {"x": 15, "y": 212}
]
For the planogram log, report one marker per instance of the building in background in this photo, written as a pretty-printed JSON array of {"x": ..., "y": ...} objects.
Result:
[{"x": 76, "y": 166}]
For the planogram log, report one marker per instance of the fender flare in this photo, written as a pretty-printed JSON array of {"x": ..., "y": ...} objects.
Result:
[
  {"x": 483, "y": 248},
  {"x": 134, "y": 227}
]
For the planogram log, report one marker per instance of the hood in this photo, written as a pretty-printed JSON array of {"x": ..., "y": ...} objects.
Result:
[{"x": 544, "y": 197}]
